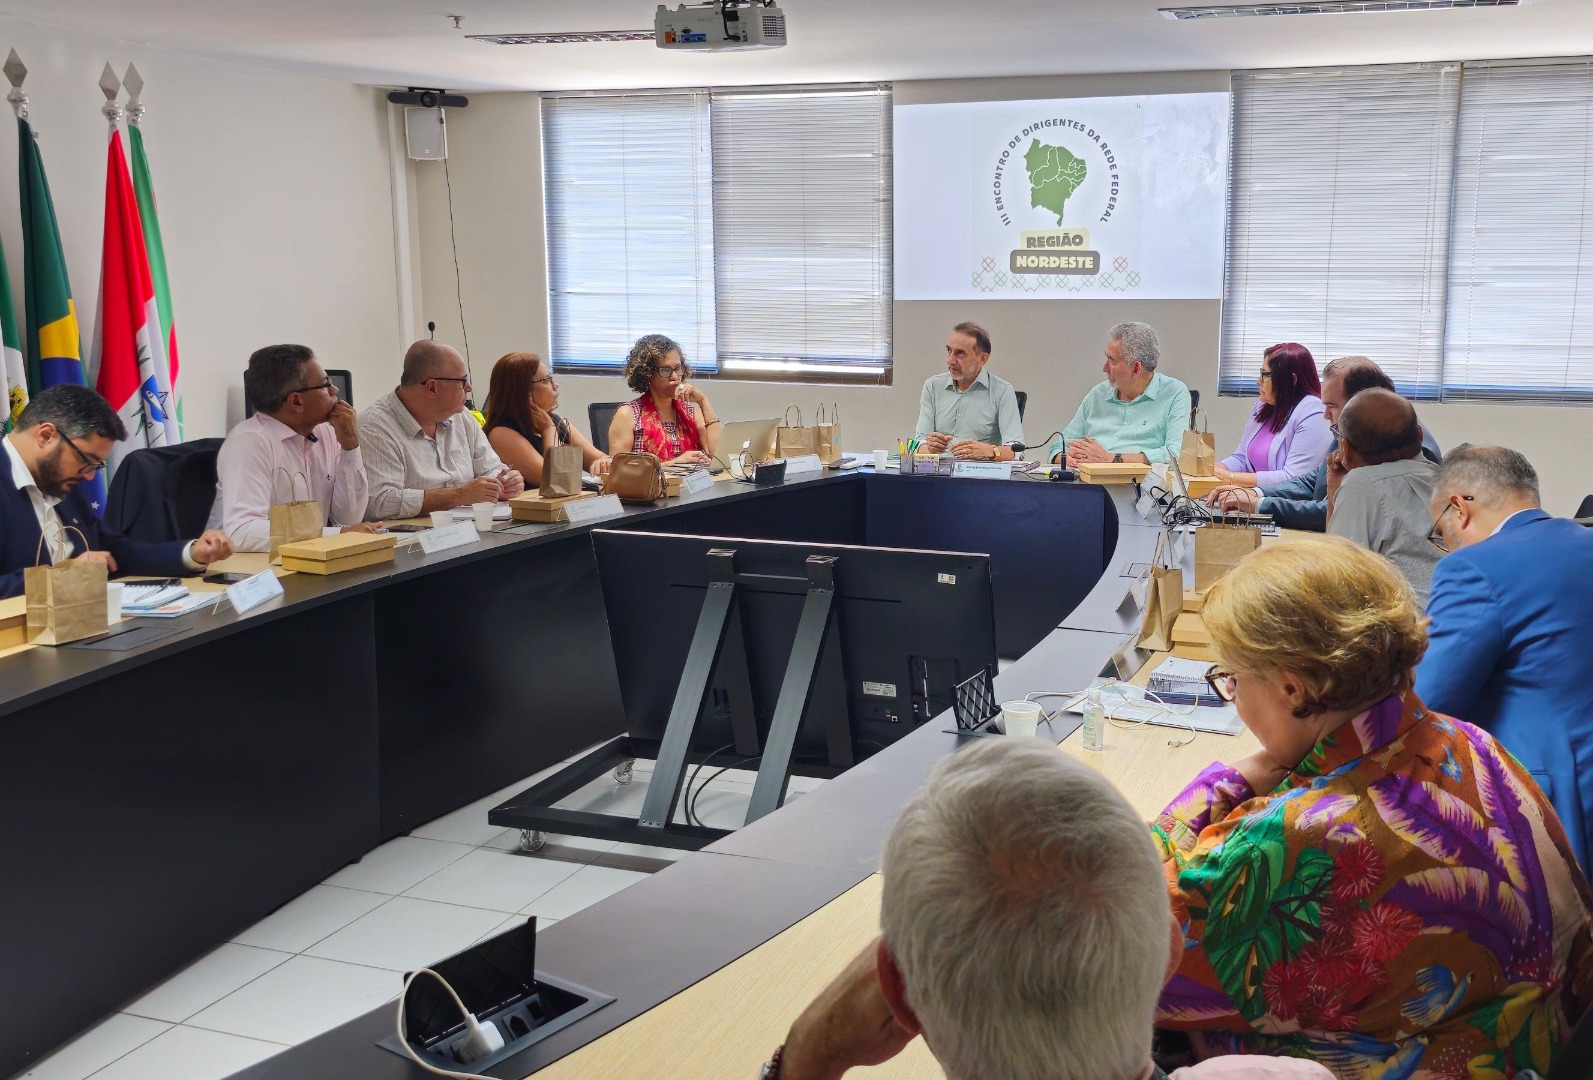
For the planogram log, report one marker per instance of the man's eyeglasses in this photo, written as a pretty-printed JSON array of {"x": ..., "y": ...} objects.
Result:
[
  {"x": 462, "y": 380},
  {"x": 1436, "y": 538},
  {"x": 90, "y": 465},
  {"x": 1221, "y": 682},
  {"x": 311, "y": 389}
]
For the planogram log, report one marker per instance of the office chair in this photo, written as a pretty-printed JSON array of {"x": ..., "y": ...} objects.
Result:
[
  {"x": 339, "y": 377},
  {"x": 1194, "y": 406},
  {"x": 599, "y": 414},
  {"x": 1023, "y": 401},
  {"x": 1576, "y": 1057},
  {"x": 164, "y": 492},
  {"x": 1586, "y": 509}
]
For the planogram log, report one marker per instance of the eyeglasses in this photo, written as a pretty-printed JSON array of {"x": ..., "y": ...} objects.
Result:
[
  {"x": 310, "y": 389},
  {"x": 1266, "y": 373},
  {"x": 1436, "y": 538},
  {"x": 1221, "y": 682},
  {"x": 90, "y": 465},
  {"x": 545, "y": 378},
  {"x": 462, "y": 380},
  {"x": 670, "y": 371}
]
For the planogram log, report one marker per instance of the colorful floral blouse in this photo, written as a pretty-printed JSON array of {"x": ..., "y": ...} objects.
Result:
[{"x": 1403, "y": 904}]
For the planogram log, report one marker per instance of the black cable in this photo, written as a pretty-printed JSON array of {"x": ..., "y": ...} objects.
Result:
[
  {"x": 686, "y": 804},
  {"x": 691, "y": 799},
  {"x": 1019, "y": 447},
  {"x": 459, "y": 295}
]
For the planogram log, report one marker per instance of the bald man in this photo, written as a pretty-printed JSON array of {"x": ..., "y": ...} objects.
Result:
[
  {"x": 423, "y": 452},
  {"x": 1379, "y": 485}
]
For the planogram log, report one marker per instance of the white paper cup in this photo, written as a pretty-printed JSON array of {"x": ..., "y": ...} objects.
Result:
[
  {"x": 1021, "y": 718},
  {"x": 113, "y": 601},
  {"x": 441, "y": 519},
  {"x": 483, "y": 512},
  {"x": 881, "y": 459}
]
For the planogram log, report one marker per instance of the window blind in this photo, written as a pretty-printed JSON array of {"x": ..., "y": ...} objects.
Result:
[
  {"x": 802, "y": 231},
  {"x": 629, "y": 214},
  {"x": 1338, "y": 215},
  {"x": 1520, "y": 325}
]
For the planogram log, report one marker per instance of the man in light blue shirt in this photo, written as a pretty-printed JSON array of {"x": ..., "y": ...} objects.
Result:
[
  {"x": 967, "y": 410},
  {"x": 1137, "y": 414}
]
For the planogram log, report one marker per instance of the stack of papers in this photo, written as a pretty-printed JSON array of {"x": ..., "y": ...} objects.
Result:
[
  {"x": 1183, "y": 682},
  {"x": 182, "y": 606},
  {"x": 141, "y": 596}
]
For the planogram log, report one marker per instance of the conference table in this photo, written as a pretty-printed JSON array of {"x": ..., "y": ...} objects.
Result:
[{"x": 206, "y": 778}]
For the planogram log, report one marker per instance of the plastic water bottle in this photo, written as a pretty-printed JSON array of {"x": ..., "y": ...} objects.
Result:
[{"x": 1094, "y": 722}]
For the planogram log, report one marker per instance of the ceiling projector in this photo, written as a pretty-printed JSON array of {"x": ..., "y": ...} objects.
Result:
[{"x": 720, "y": 24}]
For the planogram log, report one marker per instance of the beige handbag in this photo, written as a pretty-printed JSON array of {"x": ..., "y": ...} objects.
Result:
[
  {"x": 635, "y": 478},
  {"x": 827, "y": 431},
  {"x": 794, "y": 440},
  {"x": 1198, "y": 454},
  {"x": 294, "y": 520},
  {"x": 1164, "y": 599},
  {"x": 66, "y": 601}
]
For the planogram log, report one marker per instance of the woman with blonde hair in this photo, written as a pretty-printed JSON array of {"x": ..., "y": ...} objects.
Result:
[
  {"x": 1380, "y": 887},
  {"x": 521, "y": 424}
]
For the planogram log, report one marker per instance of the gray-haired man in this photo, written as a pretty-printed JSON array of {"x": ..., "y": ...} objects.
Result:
[{"x": 1137, "y": 414}]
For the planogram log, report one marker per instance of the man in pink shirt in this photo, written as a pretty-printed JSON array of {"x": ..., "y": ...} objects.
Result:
[
  {"x": 301, "y": 444},
  {"x": 1026, "y": 932}
]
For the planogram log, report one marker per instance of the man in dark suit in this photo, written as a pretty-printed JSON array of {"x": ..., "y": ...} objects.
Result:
[
  {"x": 63, "y": 438},
  {"x": 1301, "y": 503},
  {"x": 1511, "y": 640}
]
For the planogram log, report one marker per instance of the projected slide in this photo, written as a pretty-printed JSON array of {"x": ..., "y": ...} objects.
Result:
[{"x": 1097, "y": 198}]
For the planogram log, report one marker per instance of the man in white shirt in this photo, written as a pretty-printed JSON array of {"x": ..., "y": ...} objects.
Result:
[
  {"x": 423, "y": 452},
  {"x": 301, "y": 444},
  {"x": 63, "y": 438}
]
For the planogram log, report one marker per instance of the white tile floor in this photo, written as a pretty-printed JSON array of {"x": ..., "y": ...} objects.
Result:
[{"x": 339, "y": 950}]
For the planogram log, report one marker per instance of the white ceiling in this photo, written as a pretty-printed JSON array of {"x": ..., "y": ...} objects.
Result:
[{"x": 411, "y": 42}]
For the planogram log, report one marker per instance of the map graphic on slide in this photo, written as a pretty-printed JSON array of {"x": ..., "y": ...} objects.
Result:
[{"x": 1054, "y": 175}]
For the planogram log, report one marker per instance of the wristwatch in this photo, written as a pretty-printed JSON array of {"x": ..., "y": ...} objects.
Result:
[{"x": 1117, "y": 459}]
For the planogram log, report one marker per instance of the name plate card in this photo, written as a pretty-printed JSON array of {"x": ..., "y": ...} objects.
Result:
[
  {"x": 990, "y": 470},
  {"x": 802, "y": 464},
  {"x": 251, "y": 593},
  {"x": 695, "y": 482},
  {"x": 459, "y": 534},
  {"x": 603, "y": 506}
]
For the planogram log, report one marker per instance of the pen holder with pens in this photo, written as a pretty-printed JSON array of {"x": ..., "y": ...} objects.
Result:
[{"x": 927, "y": 465}]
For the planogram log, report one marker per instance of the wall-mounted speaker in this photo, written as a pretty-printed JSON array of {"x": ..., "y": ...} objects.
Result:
[{"x": 426, "y": 134}]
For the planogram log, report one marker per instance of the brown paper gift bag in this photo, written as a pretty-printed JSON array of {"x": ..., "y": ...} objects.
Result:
[
  {"x": 296, "y": 519},
  {"x": 66, "y": 601},
  {"x": 1164, "y": 600},
  {"x": 794, "y": 440},
  {"x": 561, "y": 470},
  {"x": 1218, "y": 548},
  {"x": 827, "y": 430},
  {"x": 1198, "y": 455}
]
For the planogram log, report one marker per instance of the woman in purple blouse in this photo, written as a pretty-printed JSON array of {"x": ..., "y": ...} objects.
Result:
[{"x": 1287, "y": 434}]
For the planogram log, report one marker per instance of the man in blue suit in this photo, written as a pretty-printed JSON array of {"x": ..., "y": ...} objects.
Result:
[
  {"x": 1512, "y": 625},
  {"x": 1301, "y": 502},
  {"x": 62, "y": 438}
]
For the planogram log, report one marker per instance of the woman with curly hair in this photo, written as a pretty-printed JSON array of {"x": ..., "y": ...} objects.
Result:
[
  {"x": 671, "y": 418},
  {"x": 1380, "y": 888}
]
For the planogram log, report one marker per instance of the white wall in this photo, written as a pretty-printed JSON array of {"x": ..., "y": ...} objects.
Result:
[
  {"x": 1050, "y": 348},
  {"x": 274, "y": 204}
]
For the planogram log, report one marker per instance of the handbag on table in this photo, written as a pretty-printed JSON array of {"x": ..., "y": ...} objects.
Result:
[{"x": 635, "y": 478}]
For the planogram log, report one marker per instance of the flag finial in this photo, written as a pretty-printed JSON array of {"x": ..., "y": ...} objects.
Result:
[
  {"x": 16, "y": 71},
  {"x": 133, "y": 82},
  {"x": 111, "y": 86}
]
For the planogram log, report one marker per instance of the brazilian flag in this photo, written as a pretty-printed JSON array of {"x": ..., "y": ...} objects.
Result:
[{"x": 52, "y": 342}]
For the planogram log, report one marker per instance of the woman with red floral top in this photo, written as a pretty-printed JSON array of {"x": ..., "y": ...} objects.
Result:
[
  {"x": 671, "y": 418},
  {"x": 1380, "y": 888}
]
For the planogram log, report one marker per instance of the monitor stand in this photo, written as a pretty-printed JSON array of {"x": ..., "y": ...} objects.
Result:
[{"x": 815, "y": 659}]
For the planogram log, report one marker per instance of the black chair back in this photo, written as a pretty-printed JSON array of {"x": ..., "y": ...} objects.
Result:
[
  {"x": 164, "y": 492},
  {"x": 1023, "y": 401},
  {"x": 1576, "y": 1057},
  {"x": 1586, "y": 509},
  {"x": 599, "y": 415},
  {"x": 341, "y": 378},
  {"x": 1194, "y": 406}
]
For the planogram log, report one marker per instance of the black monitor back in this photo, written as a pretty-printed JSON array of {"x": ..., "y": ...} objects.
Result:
[{"x": 911, "y": 624}]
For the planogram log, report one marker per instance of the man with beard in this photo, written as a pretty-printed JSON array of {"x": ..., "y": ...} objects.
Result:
[{"x": 62, "y": 438}]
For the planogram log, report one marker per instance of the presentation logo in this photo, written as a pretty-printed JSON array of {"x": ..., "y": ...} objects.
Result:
[{"x": 1053, "y": 179}]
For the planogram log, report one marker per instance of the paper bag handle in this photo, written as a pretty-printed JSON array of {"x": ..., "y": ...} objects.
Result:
[
  {"x": 786, "y": 420},
  {"x": 44, "y": 533},
  {"x": 293, "y": 487},
  {"x": 834, "y": 414},
  {"x": 1205, "y": 422}
]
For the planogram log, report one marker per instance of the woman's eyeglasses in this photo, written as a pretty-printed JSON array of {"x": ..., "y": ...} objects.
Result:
[
  {"x": 670, "y": 371},
  {"x": 1221, "y": 682}
]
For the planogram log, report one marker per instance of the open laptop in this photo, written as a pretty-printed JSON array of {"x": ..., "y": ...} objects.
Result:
[{"x": 755, "y": 438}]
